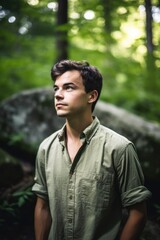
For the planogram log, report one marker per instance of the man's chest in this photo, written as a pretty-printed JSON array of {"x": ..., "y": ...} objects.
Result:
[{"x": 92, "y": 163}]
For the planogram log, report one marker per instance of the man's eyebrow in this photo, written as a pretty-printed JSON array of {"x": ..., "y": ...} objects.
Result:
[
  {"x": 65, "y": 84},
  {"x": 69, "y": 83},
  {"x": 55, "y": 86}
]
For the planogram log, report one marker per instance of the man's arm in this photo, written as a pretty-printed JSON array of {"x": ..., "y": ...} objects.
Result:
[
  {"x": 135, "y": 223},
  {"x": 42, "y": 219}
]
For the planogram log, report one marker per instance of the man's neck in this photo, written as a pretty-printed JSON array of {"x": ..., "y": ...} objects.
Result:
[{"x": 75, "y": 127}]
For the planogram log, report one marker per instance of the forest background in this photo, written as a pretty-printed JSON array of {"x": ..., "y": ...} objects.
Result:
[{"x": 121, "y": 38}]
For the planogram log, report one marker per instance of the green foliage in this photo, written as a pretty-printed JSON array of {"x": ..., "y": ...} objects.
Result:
[
  {"x": 16, "y": 138},
  {"x": 27, "y": 68},
  {"x": 115, "y": 46},
  {"x": 11, "y": 211},
  {"x": 22, "y": 197}
]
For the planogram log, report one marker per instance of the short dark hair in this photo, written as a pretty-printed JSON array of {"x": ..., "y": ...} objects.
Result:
[{"x": 92, "y": 78}]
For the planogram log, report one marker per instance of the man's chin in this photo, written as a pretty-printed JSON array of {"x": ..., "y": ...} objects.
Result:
[{"x": 61, "y": 114}]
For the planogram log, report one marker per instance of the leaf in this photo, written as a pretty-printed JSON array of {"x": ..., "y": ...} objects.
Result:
[
  {"x": 18, "y": 194},
  {"x": 21, "y": 201}
]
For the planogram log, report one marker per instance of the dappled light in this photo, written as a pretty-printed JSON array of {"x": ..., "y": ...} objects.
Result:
[
  {"x": 53, "y": 6},
  {"x": 33, "y": 2},
  {"x": 12, "y": 19},
  {"x": 118, "y": 39},
  {"x": 89, "y": 15}
]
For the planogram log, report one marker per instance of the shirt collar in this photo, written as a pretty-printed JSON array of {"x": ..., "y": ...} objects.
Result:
[{"x": 88, "y": 133}]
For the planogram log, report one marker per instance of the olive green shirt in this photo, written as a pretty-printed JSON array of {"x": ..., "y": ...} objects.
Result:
[{"x": 86, "y": 197}]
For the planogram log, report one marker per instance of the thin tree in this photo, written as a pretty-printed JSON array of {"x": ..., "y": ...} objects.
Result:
[
  {"x": 107, "y": 13},
  {"x": 152, "y": 83},
  {"x": 149, "y": 28},
  {"x": 62, "y": 30}
]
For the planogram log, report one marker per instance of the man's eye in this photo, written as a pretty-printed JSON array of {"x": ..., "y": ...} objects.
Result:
[
  {"x": 55, "y": 89},
  {"x": 69, "y": 88}
]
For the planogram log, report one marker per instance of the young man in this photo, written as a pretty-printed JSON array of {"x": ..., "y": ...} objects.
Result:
[{"x": 86, "y": 173}]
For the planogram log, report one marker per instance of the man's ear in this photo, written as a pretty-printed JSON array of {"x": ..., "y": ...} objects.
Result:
[{"x": 92, "y": 96}]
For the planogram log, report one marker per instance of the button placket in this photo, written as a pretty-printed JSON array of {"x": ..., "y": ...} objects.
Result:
[{"x": 71, "y": 207}]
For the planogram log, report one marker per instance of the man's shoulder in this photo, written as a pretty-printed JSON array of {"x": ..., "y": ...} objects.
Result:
[
  {"x": 113, "y": 136},
  {"x": 50, "y": 139},
  {"x": 115, "y": 142}
]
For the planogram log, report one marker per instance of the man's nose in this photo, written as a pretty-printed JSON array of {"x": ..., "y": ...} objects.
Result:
[{"x": 59, "y": 93}]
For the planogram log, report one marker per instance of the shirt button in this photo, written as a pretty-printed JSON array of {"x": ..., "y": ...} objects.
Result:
[
  {"x": 70, "y": 197},
  {"x": 70, "y": 220}
]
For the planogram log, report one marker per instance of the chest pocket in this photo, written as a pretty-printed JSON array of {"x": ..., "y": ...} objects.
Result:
[{"x": 96, "y": 191}]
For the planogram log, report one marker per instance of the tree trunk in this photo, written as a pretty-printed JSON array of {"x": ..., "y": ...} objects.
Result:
[
  {"x": 149, "y": 33},
  {"x": 107, "y": 11},
  {"x": 62, "y": 30},
  {"x": 151, "y": 85}
]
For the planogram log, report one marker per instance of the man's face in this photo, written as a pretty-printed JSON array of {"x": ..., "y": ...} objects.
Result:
[{"x": 71, "y": 98}]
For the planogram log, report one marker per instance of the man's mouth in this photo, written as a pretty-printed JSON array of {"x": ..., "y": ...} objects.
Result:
[{"x": 60, "y": 105}]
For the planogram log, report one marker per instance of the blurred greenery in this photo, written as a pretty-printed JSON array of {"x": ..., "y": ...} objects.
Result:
[
  {"x": 117, "y": 46},
  {"x": 13, "y": 209}
]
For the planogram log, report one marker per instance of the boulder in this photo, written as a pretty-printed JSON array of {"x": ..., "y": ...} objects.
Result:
[
  {"x": 25, "y": 120},
  {"x": 29, "y": 116}
]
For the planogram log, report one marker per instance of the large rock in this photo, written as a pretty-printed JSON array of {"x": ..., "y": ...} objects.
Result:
[
  {"x": 28, "y": 117},
  {"x": 25, "y": 120}
]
